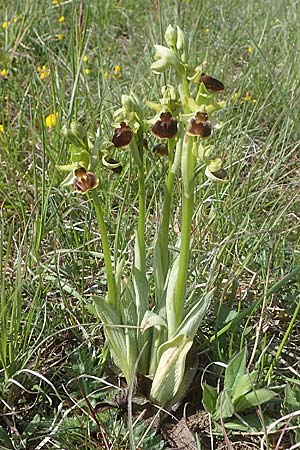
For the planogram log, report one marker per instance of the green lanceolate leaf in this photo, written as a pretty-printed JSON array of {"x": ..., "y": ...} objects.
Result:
[
  {"x": 151, "y": 319},
  {"x": 121, "y": 347},
  {"x": 170, "y": 370},
  {"x": 209, "y": 398},
  {"x": 194, "y": 315},
  {"x": 243, "y": 385},
  {"x": 224, "y": 406},
  {"x": 236, "y": 368},
  {"x": 170, "y": 295},
  {"x": 254, "y": 398}
]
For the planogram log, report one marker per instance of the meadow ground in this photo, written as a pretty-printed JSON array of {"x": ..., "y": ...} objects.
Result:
[{"x": 65, "y": 59}]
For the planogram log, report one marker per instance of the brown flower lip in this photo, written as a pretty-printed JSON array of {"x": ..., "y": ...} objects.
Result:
[
  {"x": 161, "y": 149},
  {"x": 84, "y": 181},
  {"x": 211, "y": 84},
  {"x": 221, "y": 174},
  {"x": 199, "y": 125},
  {"x": 122, "y": 136},
  {"x": 165, "y": 126}
]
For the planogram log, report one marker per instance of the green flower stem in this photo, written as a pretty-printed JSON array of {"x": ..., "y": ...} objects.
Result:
[
  {"x": 140, "y": 261},
  {"x": 187, "y": 169},
  {"x": 112, "y": 297},
  {"x": 166, "y": 211},
  {"x": 180, "y": 291}
]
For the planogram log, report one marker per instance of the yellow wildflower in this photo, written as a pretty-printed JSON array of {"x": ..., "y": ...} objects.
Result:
[
  {"x": 5, "y": 24},
  {"x": 85, "y": 58},
  {"x": 248, "y": 96},
  {"x": 59, "y": 37},
  {"x": 43, "y": 71},
  {"x": 254, "y": 101},
  {"x": 250, "y": 49},
  {"x": 234, "y": 96},
  {"x": 4, "y": 73},
  {"x": 51, "y": 120},
  {"x": 61, "y": 19},
  {"x": 106, "y": 74},
  {"x": 55, "y": 2},
  {"x": 206, "y": 30},
  {"x": 1, "y": 128},
  {"x": 87, "y": 71},
  {"x": 117, "y": 70}
]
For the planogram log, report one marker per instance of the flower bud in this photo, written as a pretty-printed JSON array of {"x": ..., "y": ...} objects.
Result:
[
  {"x": 199, "y": 125},
  {"x": 84, "y": 181},
  {"x": 165, "y": 126},
  {"x": 122, "y": 136},
  {"x": 76, "y": 135},
  {"x": 164, "y": 58},
  {"x": 211, "y": 84},
  {"x": 171, "y": 36}
]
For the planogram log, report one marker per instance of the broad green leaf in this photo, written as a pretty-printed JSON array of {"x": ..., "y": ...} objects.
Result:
[
  {"x": 152, "y": 320},
  {"x": 236, "y": 368},
  {"x": 122, "y": 349},
  {"x": 5, "y": 440},
  {"x": 254, "y": 398},
  {"x": 171, "y": 313},
  {"x": 243, "y": 385},
  {"x": 170, "y": 370},
  {"x": 224, "y": 406},
  {"x": 249, "y": 423},
  {"x": 158, "y": 271},
  {"x": 291, "y": 400},
  {"x": 194, "y": 316},
  {"x": 209, "y": 398}
]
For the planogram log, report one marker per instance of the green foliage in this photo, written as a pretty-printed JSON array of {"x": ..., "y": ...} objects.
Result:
[{"x": 239, "y": 392}]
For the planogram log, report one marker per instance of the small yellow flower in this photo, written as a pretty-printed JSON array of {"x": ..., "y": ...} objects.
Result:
[
  {"x": 4, "y": 73},
  {"x": 206, "y": 30},
  {"x": 51, "y": 120},
  {"x": 87, "y": 71},
  {"x": 106, "y": 74},
  {"x": 1, "y": 128},
  {"x": 254, "y": 101},
  {"x": 55, "y": 2},
  {"x": 117, "y": 70},
  {"x": 234, "y": 96},
  {"x": 250, "y": 49},
  {"x": 61, "y": 19},
  {"x": 59, "y": 37},
  {"x": 85, "y": 58},
  {"x": 5, "y": 24},
  {"x": 248, "y": 96},
  {"x": 43, "y": 71}
]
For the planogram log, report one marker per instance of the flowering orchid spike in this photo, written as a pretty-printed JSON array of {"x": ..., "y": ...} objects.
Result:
[
  {"x": 122, "y": 135},
  {"x": 84, "y": 181},
  {"x": 165, "y": 126}
]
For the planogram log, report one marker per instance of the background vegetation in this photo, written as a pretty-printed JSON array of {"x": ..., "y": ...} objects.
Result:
[{"x": 76, "y": 58}]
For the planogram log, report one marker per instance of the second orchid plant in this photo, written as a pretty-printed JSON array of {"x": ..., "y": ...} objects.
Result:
[{"x": 159, "y": 336}]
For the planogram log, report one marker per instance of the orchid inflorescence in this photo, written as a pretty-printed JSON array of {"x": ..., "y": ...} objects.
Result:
[{"x": 161, "y": 336}]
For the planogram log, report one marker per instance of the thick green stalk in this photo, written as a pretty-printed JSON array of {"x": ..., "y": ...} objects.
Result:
[
  {"x": 163, "y": 234},
  {"x": 112, "y": 296},
  {"x": 140, "y": 258},
  {"x": 176, "y": 307},
  {"x": 184, "y": 257}
]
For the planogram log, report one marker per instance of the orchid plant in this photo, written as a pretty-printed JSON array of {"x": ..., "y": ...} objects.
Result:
[{"x": 155, "y": 340}]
